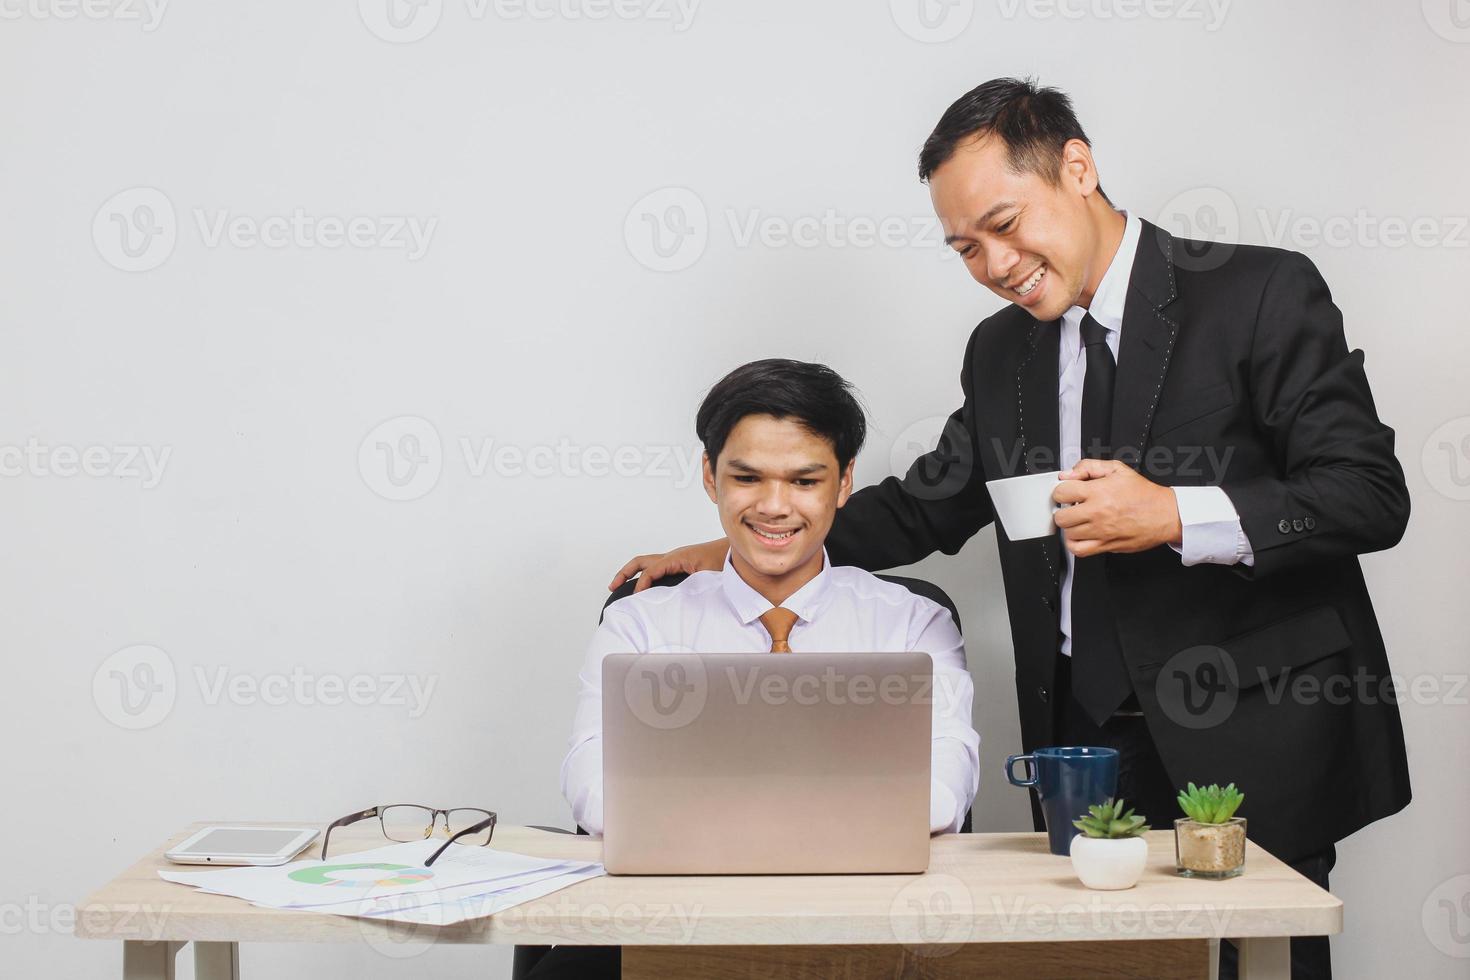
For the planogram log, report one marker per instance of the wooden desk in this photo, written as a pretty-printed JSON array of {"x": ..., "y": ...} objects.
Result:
[{"x": 991, "y": 905}]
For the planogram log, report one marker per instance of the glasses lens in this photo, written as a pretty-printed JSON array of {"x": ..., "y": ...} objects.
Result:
[
  {"x": 465, "y": 818},
  {"x": 407, "y": 823}
]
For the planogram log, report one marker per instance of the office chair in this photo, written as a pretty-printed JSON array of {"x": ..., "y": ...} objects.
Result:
[{"x": 527, "y": 957}]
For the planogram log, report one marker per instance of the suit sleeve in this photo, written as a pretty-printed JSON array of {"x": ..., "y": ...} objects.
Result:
[
  {"x": 937, "y": 506},
  {"x": 1337, "y": 491}
]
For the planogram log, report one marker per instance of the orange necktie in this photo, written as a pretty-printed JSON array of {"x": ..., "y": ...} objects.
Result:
[{"x": 778, "y": 623}]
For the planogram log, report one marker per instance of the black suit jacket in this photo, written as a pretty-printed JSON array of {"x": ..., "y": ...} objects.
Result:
[{"x": 1232, "y": 373}]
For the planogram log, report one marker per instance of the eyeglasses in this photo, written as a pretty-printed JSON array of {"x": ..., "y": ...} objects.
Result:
[{"x": 406, "y": 822}]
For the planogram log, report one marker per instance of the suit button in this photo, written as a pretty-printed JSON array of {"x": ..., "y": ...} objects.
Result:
[
  {"x": 1046, "y": 601},
  {"x": 1043, "y": 694},
  {"x": 1297, "y": 525},
  {"x": 1284, "y": 527},
  {"x": 1310, "y": 522}
]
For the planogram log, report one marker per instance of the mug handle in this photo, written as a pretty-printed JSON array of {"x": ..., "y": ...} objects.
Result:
[{"x": 1030, "y": 769}]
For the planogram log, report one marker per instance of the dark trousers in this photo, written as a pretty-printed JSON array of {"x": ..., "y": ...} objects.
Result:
[
  {"x": 1144, "y": 784},
  {"x": 577, "y": 963}
]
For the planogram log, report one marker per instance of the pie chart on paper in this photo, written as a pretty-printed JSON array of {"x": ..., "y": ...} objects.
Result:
[{"x": 361, "y": 875}]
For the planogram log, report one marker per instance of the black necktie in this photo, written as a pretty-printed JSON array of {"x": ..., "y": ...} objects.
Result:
[{"x": 1100, "y": 679}]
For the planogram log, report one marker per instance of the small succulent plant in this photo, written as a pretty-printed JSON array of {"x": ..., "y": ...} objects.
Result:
[
  {"x": 1110, "y": 821},
  {"x": 1210, "y": 804}
]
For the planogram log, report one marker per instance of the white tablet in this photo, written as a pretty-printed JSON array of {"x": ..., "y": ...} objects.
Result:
[{"x": 260, "y": 846}]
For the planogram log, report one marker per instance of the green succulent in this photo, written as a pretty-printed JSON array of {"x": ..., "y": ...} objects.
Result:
[
  {"x": 1210, "y": 804},
  {"x": 1110, "y": 821}
]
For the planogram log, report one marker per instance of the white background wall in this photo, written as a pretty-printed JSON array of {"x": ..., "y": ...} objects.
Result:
[{"x": 535, "y": 320}]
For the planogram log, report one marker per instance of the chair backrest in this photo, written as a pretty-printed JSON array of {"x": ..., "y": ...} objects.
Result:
[{"x": 917, "y": 586}]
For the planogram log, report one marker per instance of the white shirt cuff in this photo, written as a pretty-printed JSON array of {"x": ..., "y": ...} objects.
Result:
[
  {"x": 1212, "y": 532},
  {"x": 942, "y": 807}
]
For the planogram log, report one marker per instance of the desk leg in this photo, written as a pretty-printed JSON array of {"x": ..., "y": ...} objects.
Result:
[
  {"x": 216, "y": 961},
  {"x": 1267, "y": 958},
  {"x": 149, "y": 960}
]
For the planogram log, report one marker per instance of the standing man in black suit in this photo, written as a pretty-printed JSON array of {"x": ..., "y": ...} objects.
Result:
[{"x": 1222, "y": 465}]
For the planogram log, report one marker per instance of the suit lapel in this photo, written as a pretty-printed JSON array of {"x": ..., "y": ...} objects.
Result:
[
  {"x": 1145, "y": 343},
  {"x": 1038, "y": 425},
  {"x": 1037, "y": 386}
]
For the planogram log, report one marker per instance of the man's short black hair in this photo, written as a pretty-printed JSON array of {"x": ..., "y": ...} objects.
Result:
[
  {"x": 813, "y": 395},
  {"x": 1033, "y": 122}
]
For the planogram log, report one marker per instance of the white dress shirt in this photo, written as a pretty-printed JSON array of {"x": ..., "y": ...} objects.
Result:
[
  {"x": 1212, "y": 531},
  {"x": 842, "y": 609}
]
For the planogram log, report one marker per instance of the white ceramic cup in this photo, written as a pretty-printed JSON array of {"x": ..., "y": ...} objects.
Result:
[{"x": 1024, "y": 504}]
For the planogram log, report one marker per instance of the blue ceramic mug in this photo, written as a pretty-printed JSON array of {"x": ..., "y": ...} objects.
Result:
[{"x": 1068, "y": 779}]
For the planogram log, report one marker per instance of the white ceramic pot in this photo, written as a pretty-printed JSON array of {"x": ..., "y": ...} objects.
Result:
[{"x": 1109, "y": 865}]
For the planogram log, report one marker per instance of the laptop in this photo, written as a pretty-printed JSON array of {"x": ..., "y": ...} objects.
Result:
[{"x": 760, "y": 763}]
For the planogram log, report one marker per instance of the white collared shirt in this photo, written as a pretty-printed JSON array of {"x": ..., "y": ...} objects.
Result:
[
  {"x": 1212, "y": 531},
  {"x": 843, "y": 609}
]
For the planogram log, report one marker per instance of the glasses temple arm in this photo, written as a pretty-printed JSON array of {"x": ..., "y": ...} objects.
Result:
[{"x": 473, "y": 829}]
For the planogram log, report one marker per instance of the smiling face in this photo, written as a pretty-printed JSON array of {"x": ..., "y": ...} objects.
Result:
[
  {"x": 1043, "y": 247},
  {"x": 778, "y": 488}
]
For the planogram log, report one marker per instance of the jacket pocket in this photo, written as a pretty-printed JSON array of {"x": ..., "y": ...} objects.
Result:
[
  {"x": 1302, "y": 639},
  {"x": 1211, "y": 399}
]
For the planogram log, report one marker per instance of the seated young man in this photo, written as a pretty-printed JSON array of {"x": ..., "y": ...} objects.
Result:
[{"x": 780, "y": 438}]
